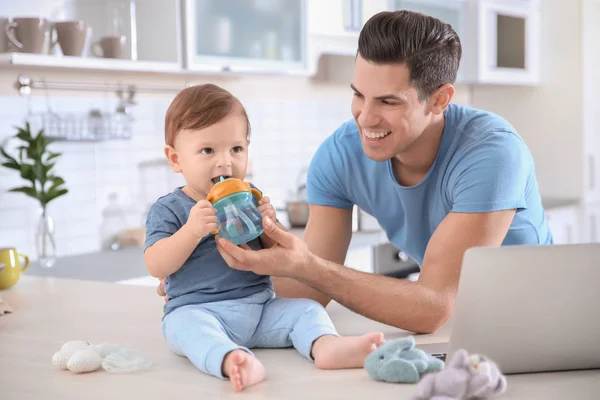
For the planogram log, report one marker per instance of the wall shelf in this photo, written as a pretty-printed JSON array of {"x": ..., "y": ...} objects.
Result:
[{"x": 87, "y": 63}]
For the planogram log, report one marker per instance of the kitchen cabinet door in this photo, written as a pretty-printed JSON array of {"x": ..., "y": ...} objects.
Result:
[
  {"x": 563, "y": 224},
  {"x": 335, "y": 17},
  {"x": 502, "y": 42},
  {"x": 244, "y": 36},
  {"x": 591, "y": 100},
  {"x": 591, "y": 223}
]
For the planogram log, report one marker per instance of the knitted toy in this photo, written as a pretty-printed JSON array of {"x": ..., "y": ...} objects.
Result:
[
  {"x": 79, "y": 356},
  {"x": 465, "y": 377},
  {"x": 399, "y": 361},
  {"x": 4, "y": 308}
]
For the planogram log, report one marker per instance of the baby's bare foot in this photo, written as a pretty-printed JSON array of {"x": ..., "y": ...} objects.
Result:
[
  {"x": 333, "y": 352},
  {"x": 243, "y": 369}
]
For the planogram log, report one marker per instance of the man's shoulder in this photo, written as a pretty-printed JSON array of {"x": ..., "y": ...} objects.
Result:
[
  {"x": 474, "y": 123},
  {"x": 344, "y": 140},
  {"x": 480, "y": 129}
]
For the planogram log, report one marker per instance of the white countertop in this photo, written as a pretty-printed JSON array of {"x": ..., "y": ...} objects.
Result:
[{"x": 49, "y": 312}]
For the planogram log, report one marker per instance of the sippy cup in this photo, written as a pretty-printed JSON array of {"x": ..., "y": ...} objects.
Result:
[{"x": 237, "y": 210}]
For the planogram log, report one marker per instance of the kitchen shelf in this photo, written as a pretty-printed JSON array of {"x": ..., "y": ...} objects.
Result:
[{"x": 88, "y": 63}]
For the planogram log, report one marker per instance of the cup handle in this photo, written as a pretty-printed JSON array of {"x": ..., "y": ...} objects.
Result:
[
  {"x": 53, "y": 36},
  {"x": 96, "y": 45},
  {"x": 24, "y": 267},
  {"x": 9, "y": 29}
]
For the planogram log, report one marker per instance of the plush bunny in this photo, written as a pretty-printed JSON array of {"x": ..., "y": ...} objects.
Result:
[
  {"x": 399, "y": 361},
  {"x": 4, "y": 308},
  {"x": 464, "y": 377},
  {"x": 79, "y": 356}
]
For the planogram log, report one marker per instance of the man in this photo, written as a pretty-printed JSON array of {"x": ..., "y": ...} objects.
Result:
[{"x": 440, "y": 178}]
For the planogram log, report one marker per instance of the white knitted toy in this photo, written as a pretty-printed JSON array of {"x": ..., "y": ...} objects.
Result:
[{"x": 79, "y": 356}]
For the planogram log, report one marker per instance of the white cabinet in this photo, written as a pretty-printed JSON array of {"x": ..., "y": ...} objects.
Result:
[
  {"x": 502, "y": 42},
  {"x": 334, "y": 27},
  {"x": 244, "y": 36},
  {"x": 590, "y": 223},
  {"x": 499, "y": 38},
  {"x": 335, "y": 17},
  {"x": 563, "y": 223}
]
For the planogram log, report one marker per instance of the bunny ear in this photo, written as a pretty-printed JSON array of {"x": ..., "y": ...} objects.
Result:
[
  {"x": 410, "y": 342},
  {"x": 459, "y": 359}
]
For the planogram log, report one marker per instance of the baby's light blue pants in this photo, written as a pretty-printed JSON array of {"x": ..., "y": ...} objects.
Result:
[{"x": 205, "y": 333}]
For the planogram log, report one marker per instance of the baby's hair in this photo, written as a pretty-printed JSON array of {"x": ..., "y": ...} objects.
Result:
[{"x": 198, "y": 107}]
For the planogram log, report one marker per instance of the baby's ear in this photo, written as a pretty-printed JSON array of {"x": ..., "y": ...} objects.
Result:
[{"x": 173, "y": 158}]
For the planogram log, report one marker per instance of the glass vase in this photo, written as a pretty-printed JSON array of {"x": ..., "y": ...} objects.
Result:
[{"x": 44, "y": 240}]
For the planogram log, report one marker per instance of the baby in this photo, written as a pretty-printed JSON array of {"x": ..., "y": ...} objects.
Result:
[{"x": 216, "y": 314}]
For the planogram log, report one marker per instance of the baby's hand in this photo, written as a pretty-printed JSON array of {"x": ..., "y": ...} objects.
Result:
[
  {"x": 202, "y": 219},
  {"x": 266, "y": 208}
]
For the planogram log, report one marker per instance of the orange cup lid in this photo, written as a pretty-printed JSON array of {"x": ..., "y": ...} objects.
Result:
[{"x": 227, "y": 187}]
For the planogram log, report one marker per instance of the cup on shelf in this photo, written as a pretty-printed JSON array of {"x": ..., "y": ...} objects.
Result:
[
  {"x": 72, "y": 37},
  {"x": 110, "y": 47},
  {"x": 4, "y": 21},
  {"x": 28, "y": 34}
]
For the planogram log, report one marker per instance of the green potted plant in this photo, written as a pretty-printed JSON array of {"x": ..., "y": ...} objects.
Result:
[{"x": 35, "y": 163}]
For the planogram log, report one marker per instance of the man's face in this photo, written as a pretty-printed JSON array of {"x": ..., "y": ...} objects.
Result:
[{"x": 387, "y": 109}]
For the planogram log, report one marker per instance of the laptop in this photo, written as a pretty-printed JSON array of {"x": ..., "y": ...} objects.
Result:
[{"x": 528, "y": 308}]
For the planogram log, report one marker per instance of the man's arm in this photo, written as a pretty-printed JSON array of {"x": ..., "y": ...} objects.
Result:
[
  {"x": 328, "y": 233},
  {"x": 422, "y": 306}
]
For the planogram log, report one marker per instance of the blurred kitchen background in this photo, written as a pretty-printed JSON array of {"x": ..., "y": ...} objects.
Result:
[{"x": 98, "y": 76}]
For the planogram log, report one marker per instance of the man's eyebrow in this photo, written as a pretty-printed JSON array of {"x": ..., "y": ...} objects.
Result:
[{"x": 400, "y": 96}]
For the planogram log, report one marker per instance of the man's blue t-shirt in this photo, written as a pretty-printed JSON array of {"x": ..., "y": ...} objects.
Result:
[
  {"x": 205, "y": 276},
  {"x": 482, "y": 165}
]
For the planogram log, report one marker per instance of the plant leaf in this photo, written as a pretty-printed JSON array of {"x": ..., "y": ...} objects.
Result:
[
  {"x": 24, "y": 136},
  {"x": 6, "y": 155},
  {"x": 12, "y": 165},
  {"x": 52, "y": 156},
  {"x": 39, "y": 171},
  {"x": 29, "y": 191},
  {"x": 53, "y": 194},
  {"x": 57, "y": 181},
  {"x": 27, "y": 172}
]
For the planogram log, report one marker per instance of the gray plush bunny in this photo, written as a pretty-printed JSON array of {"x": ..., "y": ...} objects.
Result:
[
  {"x": 465, "y": 377},
  {"x": 399, "y": 361}
]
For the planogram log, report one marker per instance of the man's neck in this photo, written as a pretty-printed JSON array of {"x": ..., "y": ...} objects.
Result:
[{"x": 411, "y": 166}]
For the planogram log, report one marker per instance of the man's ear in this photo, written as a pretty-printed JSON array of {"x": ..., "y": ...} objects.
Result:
[
  {"x": 173, "y": 158},
  {"x": 441, "y": 98}
]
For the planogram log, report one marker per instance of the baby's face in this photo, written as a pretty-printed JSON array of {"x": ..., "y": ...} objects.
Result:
[{"x": 204, "y": 155}]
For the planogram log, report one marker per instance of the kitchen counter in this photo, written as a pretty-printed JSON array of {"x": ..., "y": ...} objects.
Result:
[
  {"x": 49, "y": 312},
  {"x": 128, "y": 263},
  {"x": 558, "y": 202}
]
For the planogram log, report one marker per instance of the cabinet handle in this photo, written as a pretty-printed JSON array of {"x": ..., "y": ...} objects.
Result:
[
  {"x": 592, "y": 171},
  {"x": 352, "y": 15}
]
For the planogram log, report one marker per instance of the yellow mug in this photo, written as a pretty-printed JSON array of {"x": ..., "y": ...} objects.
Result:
[{"x": 10, "y": 268}]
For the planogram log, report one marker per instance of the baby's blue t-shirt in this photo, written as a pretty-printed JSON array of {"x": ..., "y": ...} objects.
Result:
[
  {"x": 482, "y": 165},
  {"x": 205, "y": 276}
]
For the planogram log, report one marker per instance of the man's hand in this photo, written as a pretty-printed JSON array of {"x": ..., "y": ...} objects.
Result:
[
  {"x": 285, "y": 258},
  {"x": 266, "y": 210},
  {"x": 202, "y": 219}
]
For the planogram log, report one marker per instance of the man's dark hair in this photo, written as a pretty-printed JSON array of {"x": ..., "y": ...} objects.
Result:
[{"x": 430, "y": 48}]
